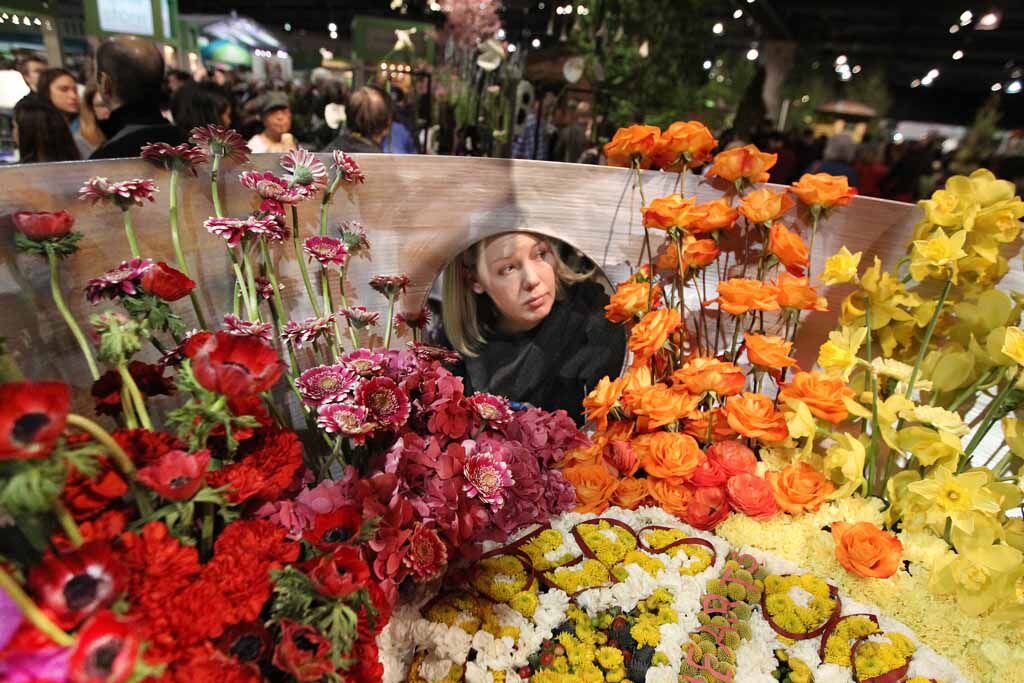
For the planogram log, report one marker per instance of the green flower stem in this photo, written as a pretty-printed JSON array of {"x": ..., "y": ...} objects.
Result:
[
  {"x": 325, "y": 282},
  {"x": 927, "y": 338},
  {"x": 179, "y": 255},
  {"x": 31, "y": 612},
  {"x": 988, "y": 420},
  {"x": 275, "y": 296},
  {"x": 58, "y": 300},
  {"x": 67, "y": 523},
  {"x": 391, "y": 321},
  {"x": 1002, "y": 466},
  {"x": 206, "y": 539},
  {"x": 344, "y": 304},
  {"x": 647, "y": 235},
  {"x": 682, "y": 286},
  {"x": 970, "y": 391},
  {"x": 117, "y": 454},
  {"x": 250, "y": 280},
  {"x": 733, "y": 350},
  {"x": 130, "y": 421},
  {"x": 133, "y": 390},
  {"x": 242, "y": 289},
  {"x": 214, "y": 191},
  {"x": 310, "y": 292},
  {"x": 326, "y": 200},
  {"x": 873, "y": 445},
  {"x": 129, "y": 231}
]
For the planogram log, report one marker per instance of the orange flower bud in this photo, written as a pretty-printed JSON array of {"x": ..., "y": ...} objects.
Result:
[
  {"x": 765, "y": 205},
  {"x": 822, "y": 393},
  {"x": 746, "y": 162},
  {"x": 630, "y": 300},
  {"x": 701, "y": 375},
  {"x": 768, "y": 351},
  {"x": 866, "y": 550},
  {"x": 684, "y": 144},
  {"x": 755, "y": 416},
  {"x": 789, "y": 248},
  {"x": 658, "y": 406},
  {"x": 632, "y": 493},
  {"x": 739, "y": 295},
  {"x": 797, "y": 292},
  {"x": 595, "y": 485},
  {"x": 824, "y": 190},
  {"x": 670, "y": 497},
  {"x": 634, "y": 144},
  {"x": 650, "y": 334},
  {"x": 668, "y": 455},
  {"x": 799, "y": 488},
  {"x": 718, "y": 215},
  {"x": 600, "y": 402}
]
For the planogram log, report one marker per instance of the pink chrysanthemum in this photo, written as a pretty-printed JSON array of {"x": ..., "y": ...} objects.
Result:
[
  {"x": 326, "y": 384},
  {"x": 124, "y": 193},
  {"x": 386, "y": 402},
  {"x": 347, "y": 419},
  {"x": 487, "y": 475},
  {"x": 353, "y": 234},
  {"x": 328, "y": 251},
  {"x": 428, "y": 555},
  {"x": 234, "y": 229},
  {"x": 221, "y": 142},
  {"x": 244, "y": 328},
  {"x": 304, "y": 169},
  {"x": 307, "y": 331},
  {"x": 264, "y": 287},
  {"x": 125, "y": 279},
  {"x": 347, "y": 168},
  {"x": 492, "y": 409},
  {"x": 174, "y": 158},
  {"x": 364, "y": 362},
  {"x": 389, "y": 285},
  {"x": 360, "y": 318},
  {"x": 427, "y": 352},
  {"x": 414, "y": 321}
]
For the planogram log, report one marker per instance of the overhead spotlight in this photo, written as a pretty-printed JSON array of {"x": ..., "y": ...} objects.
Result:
[
  {"x": 332, "y": 27},
  {"x": 737, "y": 14},
  {"x": 501, "y": 34},
  {"x": 996, "y": 87},
  {"x": 383, "y": 66},
  {"x": 856, "y": 68},
  {"x": 582, "y": 10},
  {"x": 752, "y": 54},
  {"x": 840, "y": 60},
  {"x": 287, "y": 26},
  {"x": 954, "y": 28},
  {"x": 334, "y": 35},
  {"x": 915, "y": 83},
  {"x": 512, "y": 48},
  {"x": 1013, "y": 88},
  {"x": 535, "y": 42},
  {"x": 897, "y": 137},
  {"x": 541, "y": 5},
  {"x": 966, "y": 17},
  {"x": 926, "y": 82},
  {"x": 932, "y": 74},
  {"x": 707, "y": 64},
  {"x": 959, "y": 54},
  {"x": 989, "y": 21},
  {"x": 718, "y": 28}
]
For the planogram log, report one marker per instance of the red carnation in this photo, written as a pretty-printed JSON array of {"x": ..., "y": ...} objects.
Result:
[
  {"x": 270, "y": 461},
  {"x": 303, "y": 652},
  {"x": 43, "y": 225},
  {"x": 177, "y": 475},
  {"x": 206, "y": 664},
  {"x": 167, "y": 283},
  {"x": 370, "y": 625},
  {"x": 427, "y": 555},
  {"x": 707, "y": 507},
  {"x": 339, "y": 574},
  {"x": 368, "y": 668},
  {"x": 335, "y": 528},
  {"x": 145, "y": 447},
  {"x": 235, "y": 366},
  {"x": 85, "y": 496},
  {"x": 105, "y": 651},
  {"x": 74, "y": 584},
  {"x": 32, "y": 416}
]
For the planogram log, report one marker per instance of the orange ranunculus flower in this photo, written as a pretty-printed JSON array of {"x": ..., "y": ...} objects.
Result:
[
  {"x": 661, "y": 213},
  {"x": 650, "y": 334},
  {"x": 634, "y": 144},
  {"x": 824, "y": 190},
  {"x": 718, "y": 215},
  {"x": 637, "y": 376},
  {"x": 657, "y": 406},
  {"x": 797, "y": 292},
  {"x": 822, "y": 393},
  {"x": 799, "y": 487},
  {"x": 765, "y": 205},
  {"x": 701, "y": 375},
  {"x": 739, "y": 295},
  {"x": 755, "y": 416},
  {"x": 668, "y": 455},
  {"x": 632, "y": 493},
  {"x": 789, "y": 248},
  {"x": 697, "y": 425},
  {"x": 602, "y": 400},
  {"x": 746, "y": 162},
  {"x": 670, "y": 497},
  {"x": 619, "y": 430},
  {"x": 696, "y": 254},
  {"x": 768, "y": 351},
  {"x": 584, "y": 455},
  {"x": 595, "y": 485},
  {"x": 684, "y": 144},
  {"x": 866, "y": 550},
  {"x": 619, "y": 454},
  {"x": 630, "y": 300}
]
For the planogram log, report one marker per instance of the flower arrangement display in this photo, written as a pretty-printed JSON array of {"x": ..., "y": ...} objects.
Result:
[
  {"x": 674, "y": 604},
  {"x": 191, "y": 531}
]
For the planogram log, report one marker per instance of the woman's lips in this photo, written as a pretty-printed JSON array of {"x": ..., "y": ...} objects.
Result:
[{"x": 536, "y": 302}]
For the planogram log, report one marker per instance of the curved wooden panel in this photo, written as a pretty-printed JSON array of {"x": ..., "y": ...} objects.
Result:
[{"x": 419, "y": 211}]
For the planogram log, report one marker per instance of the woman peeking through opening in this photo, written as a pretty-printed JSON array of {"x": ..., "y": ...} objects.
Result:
[{"x": 528, "y": 326}]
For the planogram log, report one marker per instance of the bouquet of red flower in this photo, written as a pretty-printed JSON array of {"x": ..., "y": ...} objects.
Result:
[{"x": 207, "y": 541}]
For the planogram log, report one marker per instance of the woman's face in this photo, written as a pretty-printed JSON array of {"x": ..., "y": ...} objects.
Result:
[
  {"x": 64, "y": 94},
  {"x": 517, "y": 271},
  {"x": 278, "y": 122},
  {"x": 99, "y": 105}
]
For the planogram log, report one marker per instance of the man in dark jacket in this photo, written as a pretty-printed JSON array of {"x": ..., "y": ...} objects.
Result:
[
  {"x": 369, "y": 120},
  {"x": 130, "y": 72}
]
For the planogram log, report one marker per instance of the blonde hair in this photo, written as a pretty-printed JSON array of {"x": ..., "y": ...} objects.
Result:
[{"x": 466, "y": 314}]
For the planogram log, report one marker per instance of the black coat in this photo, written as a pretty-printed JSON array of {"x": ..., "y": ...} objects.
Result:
[{"x": 131, "y": 127}]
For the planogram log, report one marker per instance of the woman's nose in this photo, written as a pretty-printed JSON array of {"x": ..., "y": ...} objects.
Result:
[{"x": 530, "y": 279}]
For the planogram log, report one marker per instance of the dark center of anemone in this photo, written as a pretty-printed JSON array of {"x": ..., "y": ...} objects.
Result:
[
  {"x": 247, "y": 648},
  {"x": 178, "y": 482},
  {"x": 302, "y": 641},
  {"x": 28, "y": 425},
  {"x": 338, "y": 534},
  {"x": 81, "y": 591},
  {"x": 100, "y": 662},
  {"x": 241, "y": 366}
]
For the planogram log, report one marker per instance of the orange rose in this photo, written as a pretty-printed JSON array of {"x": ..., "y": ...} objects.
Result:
[
  {"x": 866, "y": 550},
  {"x": 630, "y": 300},
  {"x": 697, "y": 425},
  {"x": 670, "y": 497},
  {"x": 696, "y": 254},
  {"x": 637, "y": 376},
  {"x": 747, "y": 162},
  {"x": 822, "y": 393},
  {"x": 789, "y": 248},
  {"x": 595, "y": 485},
  {"x": 602, "y": 400},
  {"x": 768, "y": 351},
  {"x": 632, "y": 493},
  {"x": 701, "y": 375},
  {"x": 684, "y": 144},
  {"x": 718, "y": 215},
  {"x": 751, "y": 495},
  {"x": 619, "y": 454},
  {"x": 739, "y": 295},
  {"x": 619, "y": 430},
  {"x": 755, "y": 416},
  {"x": 799, "y": 487},
  {"x": 797, "y": 292},
  {"x": 583, "y": 455},
  {"x": 765, "y": 205},
  {"x": 634, "y": 144},
  {"x": 658, "y": 406},
  {"x": 661, "y": 213},
  {"x": 668, "y": 455},
  {"x": 650, "y": 334},
  {"x": 824, "y": 190}
]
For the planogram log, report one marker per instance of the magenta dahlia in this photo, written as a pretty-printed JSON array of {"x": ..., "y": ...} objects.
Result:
[
  {"x": 347, "y": 168},
  {"x": 274, "y": 191},
  {"x": 124, "y": 193},
  {"x": 359, "y": 317},
  {"x": 307, "y": 331},
  {"x": 243, "y": 328},
  {"x": 326, "y": 384},
  {"x": 386, "y": 402},
  {"x": 389, "y": 285},
  {"x": 221, "y": 142},
  {"x": 492, "y": 409},
  {"x": 304, "y": 169},
  {"x": 174, "y": 158},
  {"x": 487, "y": 475},
  {"x": 364, "y": 362},
  {"x": 233, "y": 230},
  {"x": 328, "y": 251},
  {"x": 125, "y": 279},
  {"x": 346, "y": 419}
]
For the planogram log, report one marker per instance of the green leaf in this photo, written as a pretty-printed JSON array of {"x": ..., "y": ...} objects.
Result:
[{"x": 30, "y": 487}]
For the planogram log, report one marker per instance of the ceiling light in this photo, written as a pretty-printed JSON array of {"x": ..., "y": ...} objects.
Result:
[
  {"x": 512, "y": 48},
  {"x": 707, "y": 64},
  {"x": 1013, "y": 88},
  {"x": 737, "y": 14},
  {"x": 383, "y": 66},
  {"x": 988, "y": 22},
  {"x": 840, "y": 60},
  {"x": 332, "y": 27},
  {"x": 287, "y": 27},
  {"x": 718, "y": 28},
  {"x": 334, "y": 35},
  {"x": 535, "y": 42},
  {"x": 916, "y": 82},
  {"x": 926, "y": 82},
  {"x": 996, "y": 87},
  {"x": 805, "y": 99},
  {"x": 966, "y": 17},
  {"x": 501, "y": 34},
  {"x": 932, "y": 74},
  {"x": 959, "y": 54},
  {"x": 856, "y": 68},
  {"x": 954, "y": 28},
  {"x": 752, "y": 54},
  {"x": 541, "y": 5},
  {"x": 897, "y": 137}
]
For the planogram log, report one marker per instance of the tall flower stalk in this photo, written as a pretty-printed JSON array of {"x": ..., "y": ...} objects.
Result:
[{"x": 58, "y": 300}]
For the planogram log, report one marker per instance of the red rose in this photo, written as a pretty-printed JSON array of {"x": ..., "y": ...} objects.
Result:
[
  {"x": 303, "y": 652},
  {"x": 42, "y": 225},
  {"x": 105, "y": 651},
  {"x": 235, "y": 366},
  {"x": 32, "y": 416},
  {"x": 167, "y": 283},
  {"x": 734, "y": 457},
  {"x": 751, "y": 495},
  {"x": 177, "y": 475},
  {"x": 339, "y": 574},
  {"x": 707, "y": 507}
]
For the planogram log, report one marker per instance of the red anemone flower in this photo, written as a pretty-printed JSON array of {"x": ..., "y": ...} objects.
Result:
[
  {"x": 177, "y": 475},
  {"x": 234, "y": 366},
  {"x": 105, "y": 651},
  {"x": 75, "y": 584},
  {"x": 32, "y": 416},
  {"x": 166, "y": 283},
  {"x": 303, "y": 652},
  {"x": 247, "y": 642},
  {"x": 43, "y": 225},
  {"x": 339, "y": 574},
  {"x": 335, "y": 528}
]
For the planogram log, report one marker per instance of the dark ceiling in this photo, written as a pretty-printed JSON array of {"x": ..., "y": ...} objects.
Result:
[{"x": 905, "y": 38}]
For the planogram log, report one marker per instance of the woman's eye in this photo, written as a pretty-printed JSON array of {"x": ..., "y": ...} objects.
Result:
[{"x": 506, "y": 270}]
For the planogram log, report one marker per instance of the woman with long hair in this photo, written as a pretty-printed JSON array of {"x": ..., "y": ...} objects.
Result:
[
  {"x": 59, "y": 88},
  {"x": 41, "y": 132},
  {"x": 89, "y": 119},
  {"x": 200, "y": 104}
]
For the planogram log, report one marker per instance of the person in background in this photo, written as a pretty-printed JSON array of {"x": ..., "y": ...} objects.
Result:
[
  {"x": 58, "y": 87},
  {"x": 369, "y": 119},
  {"x": 276, "y": 117},
  {"x": 574, "y": 138},
  {"x": 870, "y": 170},
  {"x": 176, "y": 78},
  {"x": 92, "y": 111},
  {"x": 839, "y": 152},
  {"x": 532, "y": 141},
  {"x": 399, "y": 139},
  {"x": 130, "y": 73},
  {"x": 98, "y": 104},
  {"x": 30, "y": 68},
  {"x": 41, "y": 133},
  {"x": 201, "y": 104}
]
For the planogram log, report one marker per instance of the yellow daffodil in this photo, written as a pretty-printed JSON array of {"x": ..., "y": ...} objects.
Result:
[
  {"x": 799, "y": 420},
  {"x": 888, "y": 413},
  {"x": 1013, "y": 436},
  {"x": 1001, "y": 221},
  {"x": 1013, "y": 344},
  {"x": 887, "y": 295},
  {"x": 940, "y": 418},
  {"x": 930, "y": 446},
  {"x": 937, "y": 256},
  {"x": 953, "y": 207},
  {"x": 838, "y": 356},
  {"x": 1013, "y": 532},
  {"x": 844, "y": 465},
  {"x": 981, "y": 574},
  {"x": 955, "y": 496},
  {"x": 901, "y": 500},
  {"x": 841, "y": 267},
  {"x": 988, "y": 190},
  {"x": 899, "y": 371}
]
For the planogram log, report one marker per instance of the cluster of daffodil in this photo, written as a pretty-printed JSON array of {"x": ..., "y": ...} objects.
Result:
[
  {"x": 540, "y": 545},
  {"x": 798, "y": 604}
]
